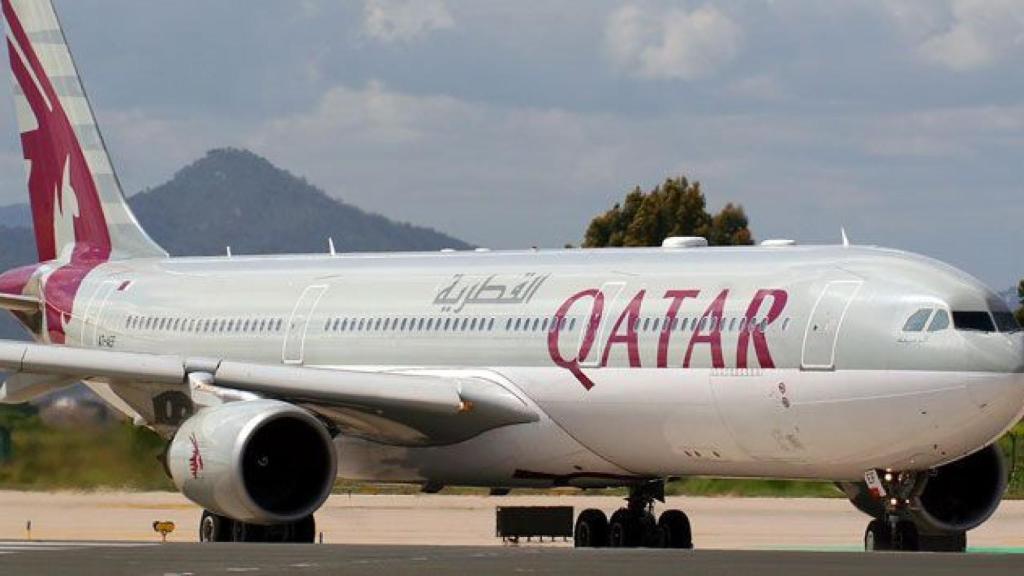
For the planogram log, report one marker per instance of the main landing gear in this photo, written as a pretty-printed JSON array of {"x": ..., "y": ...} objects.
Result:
[
  {"x": 217, "y": 528},
  {"x": 635, "y": 524},
  {"x": 895, "y": 528}
]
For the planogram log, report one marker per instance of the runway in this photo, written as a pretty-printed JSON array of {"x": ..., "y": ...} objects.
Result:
[
  {"x": 438, "y": 519},
  {"x": 112, "y": 533},
  {"x": 181, "y": 559}
]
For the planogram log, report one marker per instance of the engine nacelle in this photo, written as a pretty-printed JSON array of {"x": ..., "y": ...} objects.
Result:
[
  {"x": 962, "y": 494},
  {"x": 956, "y": 497},
  {"x": 258, "y": 461}
]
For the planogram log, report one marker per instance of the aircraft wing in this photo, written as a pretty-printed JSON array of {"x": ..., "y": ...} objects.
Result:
[{"x": 389, "y": 407}]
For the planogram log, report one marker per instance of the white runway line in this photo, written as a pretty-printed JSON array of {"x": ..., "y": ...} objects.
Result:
[{"x": 8, "y": 547}]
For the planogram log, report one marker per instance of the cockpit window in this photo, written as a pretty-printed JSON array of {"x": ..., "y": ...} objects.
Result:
[
  {"x": 973, "y": 321},
  {"x": 1006, "y": 322},
  {"x": 917, "y": 320},
  {"x": 939, "y": 322}
]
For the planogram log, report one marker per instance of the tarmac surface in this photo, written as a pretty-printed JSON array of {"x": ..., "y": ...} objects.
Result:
[
  {"x": 718, "y": 523},
  {"x": 112, "y": 533},
  {"x": 312, "y": 559}
]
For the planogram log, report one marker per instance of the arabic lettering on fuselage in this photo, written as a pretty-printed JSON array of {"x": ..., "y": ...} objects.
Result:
[{"x": 464, "y": 290}]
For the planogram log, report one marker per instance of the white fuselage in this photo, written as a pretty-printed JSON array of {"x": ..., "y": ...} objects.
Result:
[{"x": 799, "y": 368}]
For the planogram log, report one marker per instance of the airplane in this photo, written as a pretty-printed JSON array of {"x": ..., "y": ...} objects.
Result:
[{"x": 888, "y": 373}]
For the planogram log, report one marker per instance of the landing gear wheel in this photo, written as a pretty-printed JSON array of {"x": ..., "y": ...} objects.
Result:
[
  {"x": 878, "y": 536},
  {"x": 304, "y": 531},
  {"x": 674, "y": 530},
  {"x": 946, "y": 542},
  {"x": 904, "y": 537},
  {"x": 215, "y": 528},
  {"x": 591, "y": 529},
  {"x": 624, "y": 529},
  {"x": 245, "y": 532}
]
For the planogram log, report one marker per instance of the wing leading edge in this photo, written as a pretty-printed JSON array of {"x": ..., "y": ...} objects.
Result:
[{"x": 388, "y": 407}]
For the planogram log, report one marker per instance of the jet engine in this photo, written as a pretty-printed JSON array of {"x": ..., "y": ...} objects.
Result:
[
  {"x": 257, "y": 461},
  {"x": 955, "y": 497}
]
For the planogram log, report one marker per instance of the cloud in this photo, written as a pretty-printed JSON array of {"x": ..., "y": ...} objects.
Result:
[
  {"x": 944, "y": 133},
  {"x": 374, "y": 115},
  {"x": 672, "y": 43},
  {"x": 761, "y": 87},
  {"x": 962, "y": 35},
  {"x": 508, "y": 175},
  {"x": 397, "y": 21}
]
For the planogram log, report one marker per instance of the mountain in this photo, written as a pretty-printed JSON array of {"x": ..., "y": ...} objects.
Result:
[
  {"x": 16, "y": 216},
  {"x": 17, "y": 247},
  {"x": 235, "y": 198}
]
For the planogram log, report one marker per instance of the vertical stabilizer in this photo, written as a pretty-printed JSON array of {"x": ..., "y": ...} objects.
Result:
[{"x": 78, "y": 209}]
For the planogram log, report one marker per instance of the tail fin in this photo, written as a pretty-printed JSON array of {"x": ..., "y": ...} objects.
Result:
[{"x": 78, "y": 209}]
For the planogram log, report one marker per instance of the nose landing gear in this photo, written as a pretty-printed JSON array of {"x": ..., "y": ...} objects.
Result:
[
  {"x": 634, "y": 525},
  {"x": 895, "y": 528}
]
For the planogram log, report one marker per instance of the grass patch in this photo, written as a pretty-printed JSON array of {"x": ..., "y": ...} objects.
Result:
[{"x": 118, "y": 455}]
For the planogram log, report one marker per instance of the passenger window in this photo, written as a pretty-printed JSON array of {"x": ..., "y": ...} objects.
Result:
[
  {"x": 973, "y": 321},
  {"x": 940, "y": 321},
  {"x": 917, "y": 320}
]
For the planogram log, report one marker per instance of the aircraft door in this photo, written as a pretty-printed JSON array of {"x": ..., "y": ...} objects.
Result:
[
  {"x": 822, "y": 331},
  {"x": 298, "y": 324},
  {"x": 611, "y": 292},
  {"x": 90, "y": 320}
]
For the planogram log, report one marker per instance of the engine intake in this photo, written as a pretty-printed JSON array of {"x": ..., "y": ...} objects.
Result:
[
  {"x": 962, "y": 494},
  {"x": 258, "y": 461},
  {"x": 956, "y": 497}
]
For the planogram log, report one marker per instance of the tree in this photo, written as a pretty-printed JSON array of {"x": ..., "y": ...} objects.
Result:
[
  {"x": 675, "y": 208},
  {"x": 729, "y": 227}
]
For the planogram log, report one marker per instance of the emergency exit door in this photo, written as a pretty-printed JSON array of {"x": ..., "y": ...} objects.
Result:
[
  {"x": 298, "y": 324},
  {"x": 822, "y": 332}
]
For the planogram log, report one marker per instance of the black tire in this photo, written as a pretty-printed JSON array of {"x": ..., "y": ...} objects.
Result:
[
  {"x": 877, "y": 536},
  {"x": 674, "y": 528},
  {"x": 948, "y": 542},
  {"x": 624, "y": 530},
  {"x": 591, "y": 529},
  {"x": 304, "y": 531},
  {"x": 905, "y": 537},
  {"x": 215, "y": 528},
  {"x": 245, "y": 532}
]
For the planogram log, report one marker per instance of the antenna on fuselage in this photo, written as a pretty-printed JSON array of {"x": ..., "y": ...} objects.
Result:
[
  {"x": 330, "y": 246},
  {"x": 846, "y": 240}
]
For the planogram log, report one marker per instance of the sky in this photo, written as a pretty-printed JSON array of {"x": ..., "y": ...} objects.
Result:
[{"x": 511, "y": 124}]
